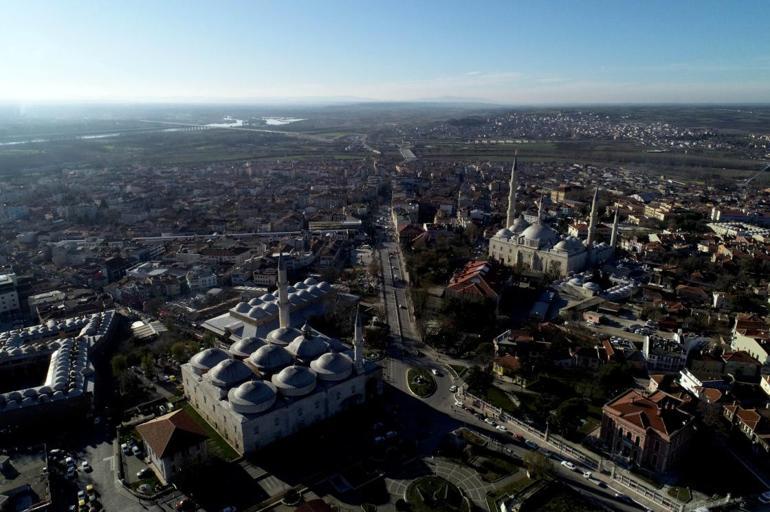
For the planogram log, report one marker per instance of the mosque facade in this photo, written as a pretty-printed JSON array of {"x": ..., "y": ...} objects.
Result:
[
  {"x": 267, "y": 388},
  {"x": 540, "y": 248}
]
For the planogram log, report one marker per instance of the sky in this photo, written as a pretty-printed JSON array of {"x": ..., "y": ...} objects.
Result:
[{"x": 509, "y": 52}]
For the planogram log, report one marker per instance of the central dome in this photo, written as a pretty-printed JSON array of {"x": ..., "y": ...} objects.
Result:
[
  {"x": 541, "y": 233},
  {"x": 519, "y": 225},
  {"x": 295, "y": 380}
]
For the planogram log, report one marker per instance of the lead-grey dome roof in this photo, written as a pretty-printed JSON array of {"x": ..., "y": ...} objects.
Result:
[
  {"x": 519, "y": 225},
  {"x": 282, "y": 336},
  {"x": 307, "y": 347},
  {"x": 207, "y": 359},
  {"x": 295, "y": 380},
  {"x": 252, "y": 397},
  {"x": 229, "y": 373},
  {"x": 541, "y": 233},
  {"x": 332, "y": 366},
  {"x": 245, "y": 346},
  {"x": 270, "y": 358}
]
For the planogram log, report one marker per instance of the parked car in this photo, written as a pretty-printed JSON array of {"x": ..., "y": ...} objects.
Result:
[
  {"x": 501, "y": 428},
  {"x": 136, "y": 450},
  {"x": 85, "y": 466},
  {"x": 531, "y": 445},
  {"x": 567, "y": 464},
  {"x": 489, "y": 421},
  {"x": 587, "y": 474},
  {"x": 452, "y": 388},
  {"x": 143, "y": 473},
  {"x": 125, "y": 448}
]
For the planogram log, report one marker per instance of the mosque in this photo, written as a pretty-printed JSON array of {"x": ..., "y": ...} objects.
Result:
[
  {"x": 265, "y": 389},
  {"x": 540, "y": 248}
]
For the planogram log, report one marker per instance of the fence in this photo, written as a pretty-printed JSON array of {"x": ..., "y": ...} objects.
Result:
[{"x": 567, "y": 449}]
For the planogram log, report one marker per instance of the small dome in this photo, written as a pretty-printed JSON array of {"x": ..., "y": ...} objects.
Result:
[
  {"x": 207, "y": 359},
  {"x": 242, "y": 307},
  {"x": 307, "y": 347},
  {"x": 324, "y": 286},
  {"x": 257, "y": 312},
  {"x": 290, "y": 289},
  {"x": 268, "y": 297},
  {"x": 245, "y": 346},
  {"x": 270, "y": 358},
  {"x": 252, "y": 397},
  {"x": 310, "y": 281},
  {"x": 504, "y": 233},
  {"x": 270, "y": 308},
  {"x": 295, "y": 380},
  {"x": 282, "y": 336},
  {"x": 332, "y": 366},
  {"x": 229, "y": 373},
  {"x": 299, "y": 285},
  {"x": 590, "y": 285},
  {"x": 255, "y": 302}
]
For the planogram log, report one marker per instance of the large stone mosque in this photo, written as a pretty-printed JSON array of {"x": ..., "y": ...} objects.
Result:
[
  {"x": 265, "y": 389},
  {"x": 540, "y": 248}
]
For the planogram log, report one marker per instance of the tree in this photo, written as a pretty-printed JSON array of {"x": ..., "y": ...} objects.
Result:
[
  {"x": 478, "y": 380},
  {"x": 119, "y": 365},
  {"x": 148, "y": 364},
  {"x": 538, "y": 466},
  {"x": 566, "y": 418},
  {"x": 614, "y": 377},
  {"x": 179, "y": 351}
]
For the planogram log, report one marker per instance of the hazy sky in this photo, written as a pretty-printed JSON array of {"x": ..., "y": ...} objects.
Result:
[{"x": 508, "y": 51}]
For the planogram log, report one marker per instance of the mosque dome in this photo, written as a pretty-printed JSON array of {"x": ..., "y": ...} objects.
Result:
[
  {"x": 242, "y": 307},
  {"x": 541, "y": 233},
  {"x": 255, "y": 301},
  {"x": 295, "y": 380},
  {"x": 332, "y": 366},
  {"x": 504, "y": 233},
  {"x": 282, "y": 336},
  {"x": 245, "y": 346},
  {"x": 270, "y": 308},
  {"x": 257, "y": 312},
  {"x": 270, "y": 358},
  {"x": 252, "y": 397},
  {"x": 323, "y": 286},
  {"x": 307, "y": 347},
  {"x": 207, "y": 359},
  {"x": 267, "y": 297},
  {"x": 570, "y": 245},
  {"x": 518, "y": 225},
  {"x": 310, "y": 282},
  {"x": 229, "y": 373}
]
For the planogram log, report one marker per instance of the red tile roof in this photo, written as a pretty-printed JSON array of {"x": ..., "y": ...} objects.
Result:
[
  {"x": 171, "y": 432},
  {"x": 658, "y": 412},
  {"x": 473, "y": 279}
]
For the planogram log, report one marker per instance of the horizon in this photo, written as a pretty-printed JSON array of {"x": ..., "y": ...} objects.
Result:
[{"x": 550, "y": 54}]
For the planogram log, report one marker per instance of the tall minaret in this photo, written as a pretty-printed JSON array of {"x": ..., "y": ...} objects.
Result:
[
  {"x": 511, "y": 216},
  {"x": 540, "y": 208},
  {"x": 283, "y": 294},
  {"x": 358, "y": 343},
  {"x": 592, "y": 221},
  {"x": 614, "y": 235}
]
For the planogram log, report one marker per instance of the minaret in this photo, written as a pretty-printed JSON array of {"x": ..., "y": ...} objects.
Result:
[
  {"x": 283, "y": 294},
  {"x": 540, "y": 208},
  {"x": 614, "y": 235},
  {"x": 358, "y": 343},
  {"x": 511, "y": 216},
  {"x": 592, "y": 221}
]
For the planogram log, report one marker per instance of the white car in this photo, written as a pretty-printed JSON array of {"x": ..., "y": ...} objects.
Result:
[
  {"x": 85, "y": 466},
  {"x": 765, "y": 497},
  {"x": 452, "y": 388},
  {"x": 587, "y": 474},
  {"x": 567, "y": 464},
  {"x": 501, "y": 428},
  {"x": 489, "y": 421},
  {"x": 434, "y": 372}
]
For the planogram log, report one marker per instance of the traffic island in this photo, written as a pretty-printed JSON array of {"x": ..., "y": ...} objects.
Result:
[
  {"x": 434, "y": 494},
  {"x": 420, "y": 382}
]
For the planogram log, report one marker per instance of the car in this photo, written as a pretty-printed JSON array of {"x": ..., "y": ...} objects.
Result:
[
  {"x": 125, "y": 448},
  {"x": 402, "y": 306},
  {"x": 587, "y": 474},
  {"x": 90, "y": 489},
  {"x": 146, "y": 489},
  {"x": 143, "y": 473},
  {"x": 501, "y": 428},
  {"x": 69, "y": 461},
  {"x": 55, "y": 452},
  {"x": 391, "y": 434},
  {"x": 81, "y": 494},
  {"x": 531, "y": 445},
  {"x": 185, "y": 504},
  {"x": 567, "y": 464},
  {"x": 458, "y": 403},
  {"x": 85, "y": 466},
  {"x": 70, "y": 474},
  {"x": 452, "y": 388},
  {"x": 136, "y": 450},
  {"x": 434, "y": 372},
  {"x": 489, "y": 421},
  {"x": 765, "y": 497}
]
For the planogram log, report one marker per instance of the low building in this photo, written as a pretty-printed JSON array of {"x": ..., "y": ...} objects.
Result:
[
  {"x": 751, "y": 334},
  {"x": 173, "y": 442},
  {"x": 476, "y": 281},
  {"x": 9, "y": 296},
  {"x": 651, "y": 432},
  {"x": 753, "y": 423}
]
